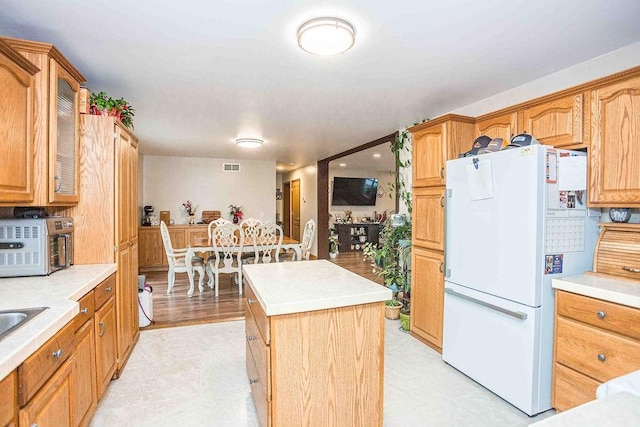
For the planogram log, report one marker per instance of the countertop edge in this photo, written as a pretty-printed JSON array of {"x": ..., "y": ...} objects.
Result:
[
  {"x": 16, "y": 347},
  {"x": 318, "y": 300},
  {"x": 599, "y": 287}
]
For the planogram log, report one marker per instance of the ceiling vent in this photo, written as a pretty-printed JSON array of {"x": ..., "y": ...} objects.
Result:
[{"x": 231, "y": 167}]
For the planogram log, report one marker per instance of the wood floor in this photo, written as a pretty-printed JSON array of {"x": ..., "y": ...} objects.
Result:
[{"x": 176, "y": 309}]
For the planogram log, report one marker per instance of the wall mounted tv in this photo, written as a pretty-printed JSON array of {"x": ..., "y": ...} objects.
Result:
[{"x": 354, "y": 191}]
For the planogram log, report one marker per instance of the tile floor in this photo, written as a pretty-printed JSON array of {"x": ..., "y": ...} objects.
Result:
[{"x": 195, "y": 376}]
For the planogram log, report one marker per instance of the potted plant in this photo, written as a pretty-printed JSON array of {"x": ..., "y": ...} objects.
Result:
[
  {"x": 103, "y": 104},
  {"x": 333, "y": 245},
  {"x": 236, "y": 213},
  {"x": 391, "y": 261}
]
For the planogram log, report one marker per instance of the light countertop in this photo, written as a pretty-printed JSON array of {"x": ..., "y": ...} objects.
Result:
[
  {"x": 60, "y": 292},
  {"x": 607, "y": 288},
  {"x": 294, "y": 287},
  {"x": 618, "y": 410}
]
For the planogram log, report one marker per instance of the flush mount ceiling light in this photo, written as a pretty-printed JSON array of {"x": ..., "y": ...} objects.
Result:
[
  {"x": 249, "y": 142},
  {"x": 326, "y": 36}
]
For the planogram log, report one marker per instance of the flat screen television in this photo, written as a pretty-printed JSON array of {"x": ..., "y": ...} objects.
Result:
[{"x": 354, "y": 191}]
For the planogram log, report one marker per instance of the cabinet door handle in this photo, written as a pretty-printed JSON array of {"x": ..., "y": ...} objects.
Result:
[
  {"x": 441, "y": 172},
  {"x": 252, "y": 381},
  {"x": 84, "y": 310},
  {"x": 57, "y": 354},
  {"x": 601, "y": 314},
  {"x": 58, "y": 183},
  {"x": 441, "y": 267},
  {"x": 250, "y": 301},
  {"x": 103, "y": 328},
  {"x": 631, "y": 269},
  {"x": 442, "y": 201},
  {"x": 601, "y": 357},
  {"x": 109, "y": 289},
  {"x": 250, "y": 338}
]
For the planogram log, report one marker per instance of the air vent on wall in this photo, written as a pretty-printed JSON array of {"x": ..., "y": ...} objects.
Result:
[{"x": 231, "y": 167}]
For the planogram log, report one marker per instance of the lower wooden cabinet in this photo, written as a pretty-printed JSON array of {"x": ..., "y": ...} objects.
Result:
[
  {"x": 52, "y": 405},
  {"x": 9, "y": 400},
  {"x": 427, "y": 296},
  {"x": 84, "y": 385},
  {"x": 151, "y": 253},
  {"x": 106, "y": 350},
  {"x": 595, "y": 341}
]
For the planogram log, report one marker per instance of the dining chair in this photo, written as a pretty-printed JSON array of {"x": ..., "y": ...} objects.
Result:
[
  {"x": 267, "y": 243},
  {"x": 250, "y": 228},
  {"x": 212, "y": 225},
  {"x": 305, "y": 244},
  {"x": 216, "y": 223},
  {"x": 227, "y": 241},
  {"x": 307, "y": 239},
  {"x": 176, "y": 258}
]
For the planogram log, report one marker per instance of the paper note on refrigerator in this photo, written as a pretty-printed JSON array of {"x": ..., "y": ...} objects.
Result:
[
  {"x": 480, "y": 180},
  {"x": 572, "y": 173}
]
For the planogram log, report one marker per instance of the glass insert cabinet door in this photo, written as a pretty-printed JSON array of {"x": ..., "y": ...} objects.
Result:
[{"x": 64, "y": 137}]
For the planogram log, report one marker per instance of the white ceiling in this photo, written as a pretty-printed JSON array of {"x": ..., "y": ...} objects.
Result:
[{"x": 201, "y": 73}]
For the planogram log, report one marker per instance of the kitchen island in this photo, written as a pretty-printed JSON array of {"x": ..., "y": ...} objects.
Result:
[{"x": 315, "y": 344}]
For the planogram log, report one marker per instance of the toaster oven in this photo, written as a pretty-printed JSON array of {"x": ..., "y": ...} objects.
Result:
[{"x": 35, "y": 246}]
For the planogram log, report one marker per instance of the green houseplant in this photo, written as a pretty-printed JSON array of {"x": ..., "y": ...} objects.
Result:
[
  {"x": 103, "y": 104},
  {"x": 333, "y": 245},
  {"x": 391, "y": 258}
]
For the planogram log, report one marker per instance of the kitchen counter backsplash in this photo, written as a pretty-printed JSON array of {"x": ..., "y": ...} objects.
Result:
[{"x": 60, "y": 292}]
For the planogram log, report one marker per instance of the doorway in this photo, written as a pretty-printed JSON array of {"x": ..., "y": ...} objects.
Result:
[
  {"x": 323, "y": 190},
  {"x": 286, "y": 208},
  {"x": 295, "y": 209}
]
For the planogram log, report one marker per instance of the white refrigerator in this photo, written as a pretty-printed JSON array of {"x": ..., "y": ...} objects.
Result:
[{"x": 515, "y": 219}]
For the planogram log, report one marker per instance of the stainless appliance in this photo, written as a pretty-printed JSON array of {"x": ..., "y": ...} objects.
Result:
[{"x": 35, "y": 247}]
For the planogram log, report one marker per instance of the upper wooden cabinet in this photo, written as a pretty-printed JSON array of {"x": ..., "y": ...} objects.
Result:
[
  {"x": 428, "y": 212},
  {"x": 56, "y": 118},
  {"x": 557, "y": 122},
  {"x": 434, "y": 142},
  {"x": 502, "y": 126},
  {"x": 614, "y": 152},
  {"x": 16, "y": 126}
]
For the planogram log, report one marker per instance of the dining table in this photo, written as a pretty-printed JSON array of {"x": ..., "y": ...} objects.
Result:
[{"x": 203, "y": 244}]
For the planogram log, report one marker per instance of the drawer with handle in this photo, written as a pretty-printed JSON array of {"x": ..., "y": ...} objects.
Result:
[
  {"x": 596, "y": 353},
  {"x": 41, "y": 365},
  {"x": 606, "y": 315},
  {"x": 262, "y": 321},
  {"x": 86, "y": 310},
  {"x": 104, "y": 291},
  {"x": 259, "y": 352}
]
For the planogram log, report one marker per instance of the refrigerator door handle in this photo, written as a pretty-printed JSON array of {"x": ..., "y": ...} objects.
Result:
[{"x": 517, "y": 314}]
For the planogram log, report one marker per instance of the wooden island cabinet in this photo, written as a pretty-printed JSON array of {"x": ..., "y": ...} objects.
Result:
[{"x": 315, "y": 344}]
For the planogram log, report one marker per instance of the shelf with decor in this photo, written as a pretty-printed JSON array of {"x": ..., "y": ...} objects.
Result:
[{"x": 352, "y": 237}]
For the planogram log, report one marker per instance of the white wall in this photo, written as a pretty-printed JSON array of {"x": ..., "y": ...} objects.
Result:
[
  {"x": 383, "y": 203},
  {"x": 308, "y": 177},
  {"x": 171, "y": 181}
]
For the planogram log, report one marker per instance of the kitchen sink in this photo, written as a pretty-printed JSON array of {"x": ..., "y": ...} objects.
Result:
[{"x": 10, "y": 320}]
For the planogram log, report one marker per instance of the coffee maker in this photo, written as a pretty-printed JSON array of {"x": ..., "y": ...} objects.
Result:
[{"x": 148, "y": 210}]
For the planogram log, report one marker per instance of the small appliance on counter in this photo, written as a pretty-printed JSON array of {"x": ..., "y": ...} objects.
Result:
[
  {"x": 35, "y": 246},
  {"x": 148, "y": 210}
]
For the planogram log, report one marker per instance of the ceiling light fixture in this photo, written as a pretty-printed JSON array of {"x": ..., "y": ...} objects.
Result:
[
  {"x": 249, "y": 142},
  {"x": 326, "y": 36}
]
